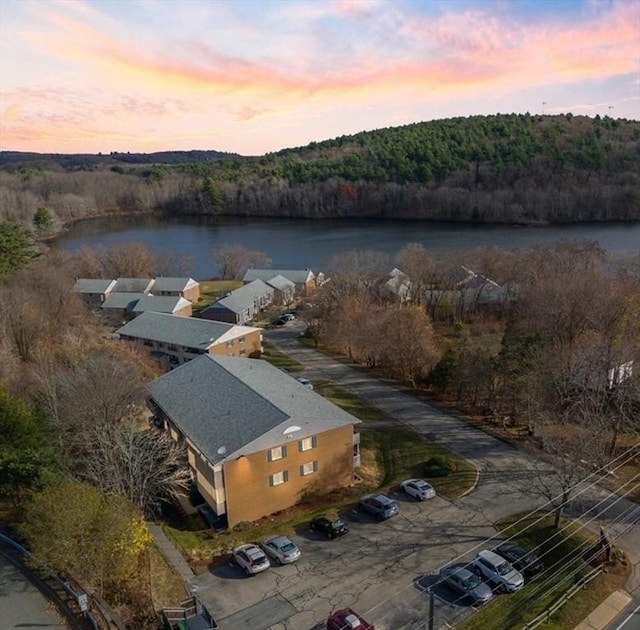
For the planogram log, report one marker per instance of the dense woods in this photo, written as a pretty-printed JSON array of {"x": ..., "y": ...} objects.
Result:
[{"x": 503, "y": 168}]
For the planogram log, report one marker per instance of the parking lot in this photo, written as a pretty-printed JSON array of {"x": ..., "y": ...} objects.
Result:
[{"x": 373, "y": 569}]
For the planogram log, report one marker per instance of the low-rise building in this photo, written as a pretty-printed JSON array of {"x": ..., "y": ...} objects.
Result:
[
  {"x": 94, "y": 291},
  {"x": 284, "y": 290},
  {"x": 256, "y": 439},
  {"x": 177, "y": 340},
  {"x": 303, "y": 279},
  {"x": 171, "y": 304},
  {"x": 187, "y": 288},
  {"x": 242, "y": 305},
  {"x": 133, "y": 285},
  {"x": 119, "y": 306}
]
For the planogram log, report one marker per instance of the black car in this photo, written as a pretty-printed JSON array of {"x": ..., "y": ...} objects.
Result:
[
  {"x": 279, "y": 322},
  {"x": 523, "y": 560},
  {"x": 331, "y": 524}
]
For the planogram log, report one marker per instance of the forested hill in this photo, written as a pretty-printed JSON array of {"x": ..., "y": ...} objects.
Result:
[{"x": 504, "y": 168}]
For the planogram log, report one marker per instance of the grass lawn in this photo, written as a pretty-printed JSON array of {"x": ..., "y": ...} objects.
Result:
[
  {"x": 167, "y": 587},
  {"x": 280, "y": 360},
  {"x": 391, "y": 454},
  {"x": 569, "y": 549},
  {"x": 211, "y": 290},
  {"x": 347, "y": 401}
]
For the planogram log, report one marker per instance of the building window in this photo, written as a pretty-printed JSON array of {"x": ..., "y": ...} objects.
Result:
[
  {"x": 173, "y": 360},
  {"x": 308, "y": 469},
  {"x": 276, "y": 453},
  {"x": 230, "y": 343},
  {"x": 242, "y": 353},
  {"x": 279, "y": 478},
  {"x": 240, "y": 339},
  {"x": 148, "y": 343},
  {"x": 172, "y": 348},
  {"x": 307, "y": 444}
]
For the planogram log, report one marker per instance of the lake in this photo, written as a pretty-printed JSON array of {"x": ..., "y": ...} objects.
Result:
[{"x": 300, "y": 243}]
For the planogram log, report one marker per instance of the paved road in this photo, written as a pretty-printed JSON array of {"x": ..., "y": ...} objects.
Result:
[
  {"x": 374, "y": 568},
  {"x": 22, "y": 605}
]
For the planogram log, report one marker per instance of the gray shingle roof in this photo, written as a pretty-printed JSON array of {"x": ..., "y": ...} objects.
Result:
[
  {"x": 173, "y": 284},
  {"x": 243, "y": 405},
  {"x": 93, "y": 285},
  {"x": 160, "y": 303},
  {"x": 122, "y": 300},
  {"x": 242, "y": 298},
  {"x": 187, "y": 332},
  {"x": 281, "y": 283},
  {"x": 133, "y": 285},
  {"x": 295, "y": 275}
]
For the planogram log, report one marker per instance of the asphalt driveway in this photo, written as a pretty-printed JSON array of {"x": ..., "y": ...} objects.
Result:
[{"x": 373, "y": 569}]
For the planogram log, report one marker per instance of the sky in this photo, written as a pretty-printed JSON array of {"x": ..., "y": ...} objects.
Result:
[{"x": 256, "y": 76}]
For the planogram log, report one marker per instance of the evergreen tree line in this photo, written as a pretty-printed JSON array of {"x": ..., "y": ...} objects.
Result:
[{"x": 504, "y": 168}]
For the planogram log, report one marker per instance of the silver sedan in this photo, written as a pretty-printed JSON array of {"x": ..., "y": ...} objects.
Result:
[{"x": 281, "y": 549}]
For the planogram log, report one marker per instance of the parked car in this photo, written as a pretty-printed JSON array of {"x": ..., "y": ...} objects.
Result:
[
  {"x": 306, "y": 382},
  {"x": 250, "y": 558},
  {"x": 380, "y": 505},
  {"x": 347, "y": 619},
  {"x": 418, "y": 489},
  {"x": 497, "y": 571},
  {"x": 288, "y": 317},
  {"x": 279, "y": 322},
  {"x": 281, "y": 549},
  {"x": 523, "y": 560},
  {"x": 466, "y": 583},
  {"x": 331, "y": 524}
]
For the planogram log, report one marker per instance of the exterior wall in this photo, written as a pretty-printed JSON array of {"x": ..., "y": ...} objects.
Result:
[
  {"x": 247, "y": 345},
  {"x": 187, "y": 311},
  {"x": 192, "y": 294},
  {"x": 249, "y": 494},
  {"x": 222, "y": 316}
]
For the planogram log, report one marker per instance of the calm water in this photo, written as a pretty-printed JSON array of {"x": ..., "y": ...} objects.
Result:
[{"x": 299, "y": 243}]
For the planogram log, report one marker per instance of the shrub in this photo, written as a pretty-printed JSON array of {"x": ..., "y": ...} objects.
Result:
[{"x": 437, "y": 466}]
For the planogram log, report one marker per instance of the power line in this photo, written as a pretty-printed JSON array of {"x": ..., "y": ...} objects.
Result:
[
  {"x": 523, "y": 605},
  {"x": 562, "y": 563},
  {"x": 605, "y": 470}
]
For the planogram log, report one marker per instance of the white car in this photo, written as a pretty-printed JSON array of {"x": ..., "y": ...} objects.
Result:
[
  {"x": 418, "y": 489},
  {"x": 306, "y": 382},
  {"x": 281, "y": 549},
  {"x": 251, "y": 559}
]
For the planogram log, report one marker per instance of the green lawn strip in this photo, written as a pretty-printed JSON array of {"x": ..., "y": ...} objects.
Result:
[
  {"x": 349, "y": 402},
  {"x": 280, "y": 360},
  {"x": 566, "y": 547},
  {"x": 212, "y": 290},
  {"x": 198, "y": 544},
  {"x": 402, "y": 453}
]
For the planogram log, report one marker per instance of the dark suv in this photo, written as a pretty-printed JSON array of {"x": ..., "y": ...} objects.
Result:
[
  {"x": 331, "y": 524},
  {"x": 380, "y": 505}
]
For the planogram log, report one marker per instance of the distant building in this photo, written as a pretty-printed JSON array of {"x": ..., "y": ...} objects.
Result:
[
  {"x": 94, "y": 291},
  {"x": 242, "y": 305},
  {"x": 177, "y": 340},
  {"x": 304, "y": 279}
]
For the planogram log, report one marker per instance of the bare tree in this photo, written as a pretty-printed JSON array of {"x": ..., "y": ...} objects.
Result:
[
  {"x": 407, "y": 342},
  {"x": 129, "y": 260},
  {"x": 234, "y": 260},
  {"x": 146, "y": 466},
  {"x": 572, "y": 453}
]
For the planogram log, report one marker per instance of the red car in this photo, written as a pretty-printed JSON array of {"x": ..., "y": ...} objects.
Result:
[{"x": 347, "y": 619}]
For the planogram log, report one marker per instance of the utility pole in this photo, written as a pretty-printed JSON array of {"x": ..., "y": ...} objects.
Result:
[
  {"x": 431, "y": 611},
  {"x": 544, "y": 103}
]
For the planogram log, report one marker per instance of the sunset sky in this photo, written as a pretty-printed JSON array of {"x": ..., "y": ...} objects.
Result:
[{"x": 256, "y": 76}]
